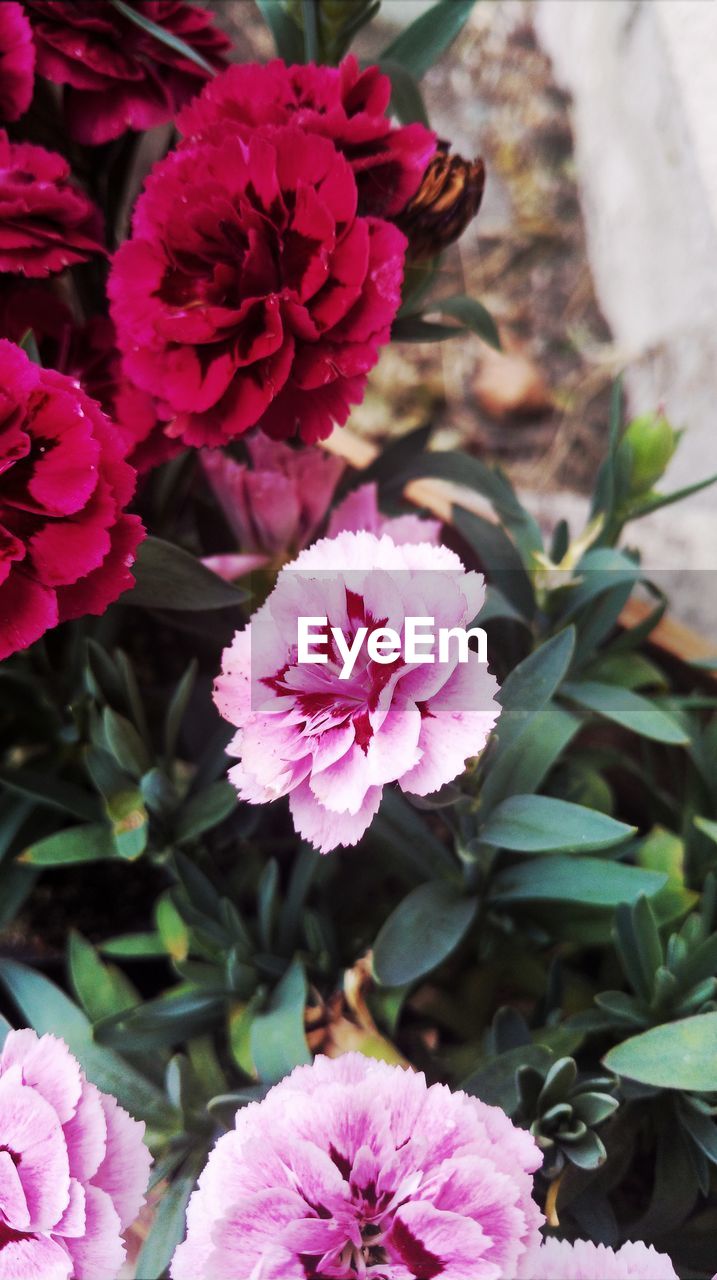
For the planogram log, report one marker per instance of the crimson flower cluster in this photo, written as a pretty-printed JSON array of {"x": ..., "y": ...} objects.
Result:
[{"x": 263, "y": 273}]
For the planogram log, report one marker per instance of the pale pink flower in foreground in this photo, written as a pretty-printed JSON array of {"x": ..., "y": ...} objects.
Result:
[
  {"x": 73, "y": 1167},
  {"x": 354, "y": 1168},
  {"x": 274, "y": 506},
  {"x": 359, "y": 511},
  {"x": 332, "y": 744},
  {"x": 583, "y": 1260}
]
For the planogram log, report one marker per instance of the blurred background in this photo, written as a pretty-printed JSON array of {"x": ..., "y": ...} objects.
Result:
[{"x": 595, "y": 249}]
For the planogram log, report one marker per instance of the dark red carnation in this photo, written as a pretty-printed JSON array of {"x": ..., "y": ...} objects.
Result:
[
  {"x": 252, "y": 292},
  {"x": 118, "y": 76},
  {"x": 66, "y": 544},
  {"x": 46, "y": 222},
  {"x": 17, "y": 61},
  {"x": 88, "y": 353},
  {"x": 341, "y": 103}
]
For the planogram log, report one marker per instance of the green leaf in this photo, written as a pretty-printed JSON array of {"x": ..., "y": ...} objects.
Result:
[
  {"x": 101, "y": 989},
  {"x": 498, "y": 556},
  {"x": 424, "y": 930},
  {"x": 125, "y": 743},
  {"x": 589, "y": 882},
  {"x": 311, "y": 31},
  {"x": 55, "y": 793},
  {"x": 287, "y": 34},
  {"x": 129, "y": 820},
  {"x": 28, "y": 344},
  {"x": 707, "y": 827},
  {"x": 406, "y": 99},
  {"x": 164, "y": 36},
  {"x": 628, "y": 709},
  {"x": 278, "y": 1042},
  {"x": 531, "y": 685},
  {"x": 460, "y": 468},
  {"x": 134, "y": 946},
  {"x": 702, "y": 1131},
  {"x": 421, "y": 44},
  {"x": 47, "y": 1009},
  {"x": 5, "y": 1029},
  {"x": 401, "y": 831},
  {"x": 676, "y": 1055},
  {"x": 205, "y": 810},
  {"x": 169, "y": 578},
  {"x": 539, "y": 824},
  {"x": 168, "y": 1226},
  {"x": 177, "y": 709},
  {"x": 413, "y": 328},
  {"x": 91, "y": 843},
  {"x": 658, "y": 500},
  {"x": 472, "y": 315},
  {"x": 522, "y": 767}
]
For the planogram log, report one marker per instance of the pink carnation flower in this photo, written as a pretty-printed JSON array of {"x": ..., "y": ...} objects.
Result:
[
  {"x": 73, "y": 1167},
  {"x": 275, "y": 506},
  {"x": 353, "y": 1168},
  {"x": 331, "y": 744},
  {"x": 583, "y": 1260},
  {"x": 359, "y": 510}
]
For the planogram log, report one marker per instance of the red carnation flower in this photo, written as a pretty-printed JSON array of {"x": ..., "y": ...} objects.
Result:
[
  {"x": 17, "y": 61},
  {"x": 89, "y": 354},
  {"x": 117, "y": 75},
  {"x": 341, "y": 103},
  {"x": 65, "y": 543},
  {"x": 46, "y": 223},
  {"x": 252, "y": 292}
]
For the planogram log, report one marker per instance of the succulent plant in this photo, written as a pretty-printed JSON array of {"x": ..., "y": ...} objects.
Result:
[{"x": 562, "y": 1112}]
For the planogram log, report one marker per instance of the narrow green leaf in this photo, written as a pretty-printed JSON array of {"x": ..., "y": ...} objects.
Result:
[
  {"x": 472, "y": 315},
  {"x": 134, "y": 946},
  {"x": 205, "y": 810},
  {"x": 538, "y": 824},
  {"x": 278, "y": 1042},
  {"x": 91, "y": 843},
  {"x": 168, "y": 1226},
  {"x": 426, "y": 39},
  {"x": 531, "y": 685},
  {"x": 52, "y": 792},
  {"x": 406, "y": 99},
  {"x": 287, "y": 34},
  {"x": 498, "y": 557},
  {"x": 169, "y": 578},
  {"x": 628, "y": 709},
  {"x": 125, "y": 743},
  {"x": 177, "y": 709},
  {"x": 47, "y": 1009},
  {"x": 522, "y": 767},
  {"x": 424, "y": 930},
  {"x": 164, "y": 36},
  {"x": 588, "y": 882},
  {"x": 676, "y": 1055},
  {"x": 101, "y": 989}
]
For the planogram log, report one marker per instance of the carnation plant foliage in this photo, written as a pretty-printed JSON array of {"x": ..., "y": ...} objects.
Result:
[{"x": 388, "y": 969}]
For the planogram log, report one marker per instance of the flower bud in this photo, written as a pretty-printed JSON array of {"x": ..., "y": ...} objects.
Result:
[
  {"x": 446, "y": 201},
  {"x": 651, "y": 442}
]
